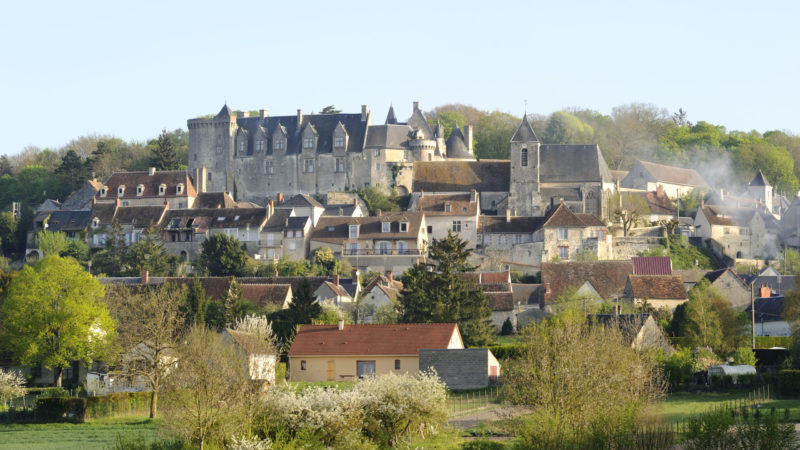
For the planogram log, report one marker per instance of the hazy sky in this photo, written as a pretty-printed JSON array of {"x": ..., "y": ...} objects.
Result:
[{"x": 72, "y": 68}]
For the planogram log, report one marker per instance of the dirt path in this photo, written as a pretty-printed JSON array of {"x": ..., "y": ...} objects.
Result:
[{"x": 471, "y": 420}]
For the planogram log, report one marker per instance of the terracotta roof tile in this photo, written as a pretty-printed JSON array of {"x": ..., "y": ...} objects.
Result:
[
  {"x": 436, "y": 204},
  {"x": 336, "y": 229},
  {"x": 657, "y": 287},
  {"x": 394, "y": 339},
  {"x": 607, "y": 277},
  {"x": 151, "y": 183},
  {"x": 652, "y": 265}
]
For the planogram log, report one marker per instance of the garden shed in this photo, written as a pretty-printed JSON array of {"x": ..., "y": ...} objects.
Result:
[{"x": 733, "y": 371}]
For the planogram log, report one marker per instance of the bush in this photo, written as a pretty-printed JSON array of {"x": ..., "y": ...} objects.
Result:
[
  {"x": 54, "y": 392},
  {"x": 118, "y": 403},
  {"x": 507, "y": 328},
  {"x": 679, "y": 368},
  {"x": 744, "y": 355},
  {"x": 712, "y": 430},
  {"x": 721, "y": 381},
  {"x": 506, "y": 351},
  {"x": 766, "y": 432},
  {"x": 482, "y": 444},
  {"x": 773, "y": 341},
  {"x": 789, "y": 382},
  {"x": 55, "y": 409}
]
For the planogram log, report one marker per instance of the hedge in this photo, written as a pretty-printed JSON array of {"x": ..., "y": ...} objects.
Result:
[
  {"x": 85, "y": 409},
  {"x": 789, "y": 382},
  {"x": 57, "y": 409},
  {"x": 773, "y": 341},
  {"x": 506, "y": 351}
]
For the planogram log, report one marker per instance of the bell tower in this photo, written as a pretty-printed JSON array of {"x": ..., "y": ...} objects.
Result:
[{"x": 525, "y": 198}]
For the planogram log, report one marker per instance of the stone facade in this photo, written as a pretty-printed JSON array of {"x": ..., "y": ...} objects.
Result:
[{"x": 468, "y": 368}]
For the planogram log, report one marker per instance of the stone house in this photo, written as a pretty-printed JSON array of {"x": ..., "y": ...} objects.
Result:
[
  {"x": 133, "y": 220},
  {"x": 605, "y": 279},
  {"x": 456, "y": 213},
  {"x": 641, "y": 330},
  {"x": 381, "y": 292},
  {"x": 348, "y": 352},
  {"x": 659, "y": 205},
  {"x": 151, "y": 188},
  {"x": 740, "y": 233},
  {"x": 489, "y": 178},
  {"x": 658, "y": 291},
  {"x": 769, "y": 317},
  {"x": 675, "y": 181},
  {"x": 466, "y": 368},
  {"x": 261, "y": 359},
  {"x": 333, "y": 293},
  {"x": 344, "y": 209},
  {"x": 390, "y": 241},
  {"x": 185, "y": 230}
]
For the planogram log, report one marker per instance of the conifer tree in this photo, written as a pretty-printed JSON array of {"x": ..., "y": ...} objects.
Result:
[{"x": 164, "y": 155}]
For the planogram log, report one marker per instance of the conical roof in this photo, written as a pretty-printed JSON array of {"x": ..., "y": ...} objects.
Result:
[
  {"x": 225, "y": 111},
  {"x": 391, "y": 118},
  {"x": 456, "y": 148},
  {"x": 524, "y": 131},
  {"x": 759, "y": 180}
]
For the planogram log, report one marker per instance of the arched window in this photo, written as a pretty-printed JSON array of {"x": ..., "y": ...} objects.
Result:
[
  {"x": 121, "y": 191},
  {"x": 179, "y": 188},
  {"x": 524, "y": 157},
  {"x": 103, "y": 191},
  {"x": 140, "y": 190},
  {"x": 162, "y": 189}
]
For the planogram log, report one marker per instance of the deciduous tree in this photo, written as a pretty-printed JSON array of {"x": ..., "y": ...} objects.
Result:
[{"x": 223, "y": 256}]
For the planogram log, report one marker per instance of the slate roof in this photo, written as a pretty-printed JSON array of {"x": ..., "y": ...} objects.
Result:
[
  {"x": 82, "y": 198},
  {"x": 788, "y": 282},
  {"x": 139, "y": 216},
  {"x": 211, "y": 200},
  {"x": 714, "y": 275},
  {"x": 297, "y": 223},
  {"x": 652, "y": 265},
  {"x": 323, "y": 124},
  {"x": 522, "y": 224},
  {"x": 170, "y": 178},
  {"x": 300, "y": 201},
  {"x": 294, "y": 282},
  {"x": 435, "y": 205},
  {"x": 391, "y": 118},
  {"x": 759, "y": 180},
  {"x": 69, "y": 220},
  {"x": 560, "y": 163},
  {"x": 526, "y": 294},
  {"x": 462, "y": 176},
  {"x": 607, "y": 277},
  {"x": 524, "y": 132},
  {"x": 277, "y": 220},
  {"x": 393, "y": 136},
  {"x": 345, "y": 209},
  {"x": 768, "y": 309},
  {"x": 657, "y": 287},
  {"x": 336, "y": 229},
  {"x": 456, "y": 147},
  {"x": 104, "y": 212},
  {"x": 723, "y": 215},
  {"x": 264, "y": 294},
  {"x": 673, "y": 175},
  {"x": 394, "y": 339},
  {"x": 238, "y": 217}
]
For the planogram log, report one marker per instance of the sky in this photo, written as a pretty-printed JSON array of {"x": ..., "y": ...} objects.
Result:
[{"x": 131, "y": 69}]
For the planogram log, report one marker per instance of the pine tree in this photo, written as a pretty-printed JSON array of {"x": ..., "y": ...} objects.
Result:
[
  {"x": 441, "y": 293},
  {"x": 304, "y": 306},
  {"x": 72, "y": 172},
  {"x": 149, "y": 254},
  {"x": 164, "y": 155},
  {"x": 196, "y": 303},
  {"x": 112, "y": 259},
  {"x": 232, "y": 304}
]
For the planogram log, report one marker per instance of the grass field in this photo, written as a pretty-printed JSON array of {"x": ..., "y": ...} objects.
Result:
[
  {"x": 97, "y": 434},
  {"x": 682, "y": 405}
]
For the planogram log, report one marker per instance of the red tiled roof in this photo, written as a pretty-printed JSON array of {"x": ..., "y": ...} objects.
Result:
[
  {"x": 263, "y": 294},
  {"x": 652, "y": 265},
  {"x": 657, "y": 287},
  {"x": 394, "y": 339},
  {"x": 151, "y": 183},
  {"x": 435, "y": 205},
  {"x": 607, "y": 277}
]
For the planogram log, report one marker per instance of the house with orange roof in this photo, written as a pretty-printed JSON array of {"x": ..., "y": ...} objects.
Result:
[{"x": 348, "y": 352}]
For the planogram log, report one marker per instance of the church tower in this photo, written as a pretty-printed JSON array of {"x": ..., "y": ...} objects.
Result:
[
  {"x": 525, "y": 198},
  {"x": 761, "y": 190}
]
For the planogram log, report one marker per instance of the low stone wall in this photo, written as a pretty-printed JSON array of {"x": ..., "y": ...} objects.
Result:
[{"x": 628, "y": 247}]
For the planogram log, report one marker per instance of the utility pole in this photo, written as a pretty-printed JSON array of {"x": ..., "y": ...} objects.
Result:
[{"x": 753, "y": 311}]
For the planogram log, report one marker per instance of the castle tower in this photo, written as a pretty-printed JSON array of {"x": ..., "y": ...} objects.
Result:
[
  {"x": 525, "y": 190},
  {"x": 211, "y": 145},
  {"x": 760, "y": 189}
]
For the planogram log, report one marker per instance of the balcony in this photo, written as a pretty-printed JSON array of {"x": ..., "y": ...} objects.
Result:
[{"x": 382, "y": 252}]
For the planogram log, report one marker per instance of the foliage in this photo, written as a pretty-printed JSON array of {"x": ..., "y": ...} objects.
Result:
[
  {"x": 385, "y": 410},
  {"x": 789, "y": 382},
  {"x": 209, "y": 395},
  {"x": 150, "y": 254},
  {"x": 679, "y": 368},
  {"x": 323, "y": 258},
  {"x": 150, "y": 326},
  {"x": 51, "y": 243},
  {"x": 744, "y": 355},
  {"x": 765, "y": 431},
  {"x": 628, "y": 209},
  {"x": 164, "y": 154},
  {"x": 78, "y": 249},
  {"x": 72, "y": 172},
  {"x": 112, "y": 259},
  {"x": 576, "y": 377},
  {"x": 446, "y": 295},
  {"x": 507, "y": 328},
  {"x": 586, "y": 254},
  {"x": 331, "y": 315},
  {"x": 304, "y": 307},
  {"x": 224, "y": 256},
  {"x": 53, "y": 314},
  {"x": 376, "y": 200},
  {"x": 330, "y": 109},
  {"x": 709, "y": 320},
  {"x": 12, "y": 385},
  {"x": 711, "y": 430},
  {"x": 686, "y": 256},
  {"x": 260, "y": 326},
  {"x": 195, "y": 304},
  {"x": 8, "y": 232}
]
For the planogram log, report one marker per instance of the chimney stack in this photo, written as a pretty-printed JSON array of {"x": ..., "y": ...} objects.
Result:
[
  {"x": 151, "y": 171},
  {"x": 765, "y": 291},
  {"x": 336, "y": 279},
  {"x": 508, "y": 215},
  {"x": 280, "y": 198},
  {"x": 390, "y": 275},
  {"x": 355, "y": 275},
  {"x": 473, "y": 196},
  {"x": 270, "y": 208},
  {"x": 94, "y": 201},
  {"x": 262, "y": 113},
  {"x": 378, "y": 212},
  {"x": 659, "y": 191},
  {"x": 468, "y": 137},
  {"x": 341, "y": 325},
  {"x": 299, "y": 118},
  {"x": 145, "y": 276},
  {"x": 245, "y": 114},
  {"x": 722, "y": 193},
  {"x": 364, "y": 113}
]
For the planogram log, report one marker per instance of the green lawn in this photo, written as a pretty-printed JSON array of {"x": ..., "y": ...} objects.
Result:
[
  {"x": 681, "y": 405},
  {"x": 97, "y": 434}
]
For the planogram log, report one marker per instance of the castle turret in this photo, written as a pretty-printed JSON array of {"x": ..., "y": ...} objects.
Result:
[
  {"x": 211, "y": 143},
  {"x": 456, "y": 147}
]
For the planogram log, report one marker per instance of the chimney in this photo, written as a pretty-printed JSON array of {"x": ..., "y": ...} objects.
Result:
[
  {"x": 702, "y": 203},
  {"x": 151, "y": 171},
  {"x": 659, "y": 191},
  {"x": 390, "y": 275},
  {"x": 416, "y": 106},
  {"x": 263, "y": 113},
  {"x": 341, "y": 325},
  {"x": 355, "y": 275},
  {"x": 468, "y": 136},
  {"x": 245, "y": 114},
  {"x": 117, "y": 202},
  {"x": 280, "y": 198},
  {"x": 336, "y": 279},
  {"x": 722, "y": 193},
  {"x": 145, "y": 277},
  {"x": 355, "y": 202},
  {"x": 473, "y": 196},
  {"x": 94, "y": 201},
  {"x": 508, "y": 215},
  {"x": 364, "y": 113},
  {"x": 299, "y": 118},
  {"x": 378, "y": 212},
  {"x": 270, "y": 208},
  {"x": 765, "y": 291}
]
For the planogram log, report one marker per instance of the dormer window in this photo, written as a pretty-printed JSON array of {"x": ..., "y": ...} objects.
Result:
[
  {"x": 179, "y": 189},
  {"x": 140, "y": 190},
  {"x": 404, "y": 227},
  {"x": 95, "y": 222},
  {"x": 353, "y": 231},
  {"x": 259, "y": 145},
  {"x": 162, "y": 189},
  {"x": 103, "y": 191},
  {"x": 121, "y": 191},
  {"x": 386, "y": 227},
  {"x": 308, "y": 142}
]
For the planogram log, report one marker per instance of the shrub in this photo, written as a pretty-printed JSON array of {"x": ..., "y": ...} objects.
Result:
[
  {"x": 54, "y": 392},
  {"x": 789, "y": 382},
  {"x": 765, "y": 432},
  {"x": 54, "y": 409},
  {"x": 506, "y": 351},
  {"x": 712, "y": 430},
  {"x": 744, "y": 355},
  {"x": 12, "y": 385},
  {"x": 507, "y": 328},
  {"x": 482, "y": 444},
  {"x": 679, "y": 368}
]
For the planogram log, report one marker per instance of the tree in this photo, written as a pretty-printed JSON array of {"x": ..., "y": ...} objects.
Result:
[
  {"x": 324, "y": 260},
  {"x": 150, "y": 326},
  {"x": 260, "y": 326},
  {"x": 330, "y": 109},
  {"x": 304, "y": 307},
  {"x": 627, "y": 209},
  {"x": 8, "y": 232},
  {"x": 72, "y": 172},
  {"x": 210, "y": 391},
  {"x": 112, "y": 259},
  {"x": 150, "y": 254},
  {"x": 708, "y": 320},
  {"x": 5, "y": 166},
  {"x": 53, "y": 314},
  {"x": 77, "y": 249},
  {"x": 164, "y": 156},
  {"x": 51, "y": 242},
  {"x": 12, "y": 385},
  {"x": 196, "y": 303},
  {"x": 447, "y": 294},
  {"x": 223, "y": 256}
]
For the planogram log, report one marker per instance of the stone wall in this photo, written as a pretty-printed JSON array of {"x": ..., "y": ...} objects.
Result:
[
  {"x": 628, "y": 247},
  {"x": 459, "y": 368}
]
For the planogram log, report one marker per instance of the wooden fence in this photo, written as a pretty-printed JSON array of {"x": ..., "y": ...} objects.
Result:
[{"x": 462, "y": 402}]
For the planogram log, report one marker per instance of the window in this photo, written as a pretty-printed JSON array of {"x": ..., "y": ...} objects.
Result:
[
  {"x": 303, "y": 365},
  {"x": 430, "y": 229},
  {"x": 178, "y": 189},
  {"x": 125, "y": 203},
  {"x": 338, "y": 142},
  {"x": 103, "y": 191},
  {"x": 353, "y": 232},
  {"x": 404, "y": 227},
  {"x": 353, "y": 249},
  {"x": 727, "y": 230},
  {"x": 456, "y": 226},
  {"x": 219, "y": 149},
  {"x": 402, "y": 248},
  {"x": 563, "y": 252},
  {"x": 340, "y": 164},
  {"x": 292, "y": 246},
  {"x": 162, "y": 188},
  {"x": 121, "y": 191},
  {"x": 377, "y": 167},
  {"x": 563, "y": 234},
  {"x": 308, "y": 166},
  {"x": 269, "y": 168},
  {"x": 377, "y": 153},
  {"x": 386, "y": 227},
  {"x": 308, "y": 142},
  {"x": 279, "y": 143},
  {"x": 209, "y": 176},
  {"x": 396, "y": 364},
  {"x": 384, "y": 248},
  {"x": 523, "y": 157},
  {"x": 365, "y": 368},
  {"x": 140, "y": 190},
  {"x": 242, "y": 146},
  {"x": 516, "y": 239},
  {"x": 259, "y": 145},
  {"x": 447, "y": 207},
  {"x": 95, "y": 222}
]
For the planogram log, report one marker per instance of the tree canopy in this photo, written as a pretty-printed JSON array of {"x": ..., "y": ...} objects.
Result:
[{"x": 224, "y": 256}]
